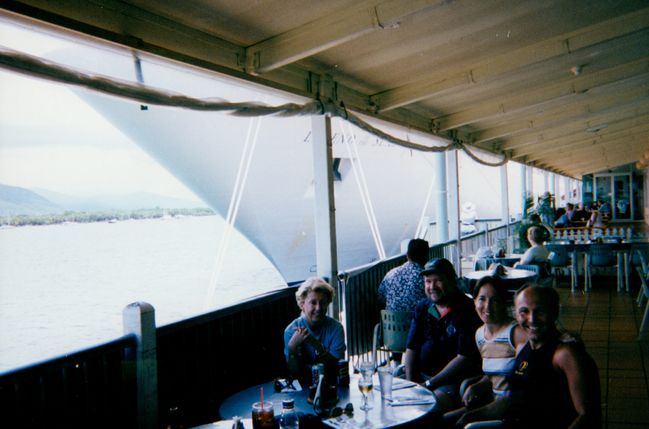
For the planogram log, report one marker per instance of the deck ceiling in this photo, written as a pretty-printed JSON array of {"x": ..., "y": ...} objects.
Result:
[{"x": 558, "y": 84}]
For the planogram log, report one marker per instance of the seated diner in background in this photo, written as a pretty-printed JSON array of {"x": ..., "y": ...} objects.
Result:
[
  {"x": 563, "y": 220},
  {"x": 596, "y": 219},
  {"x": 441, "y": 349},
  {"x": 579, "y": 216},
  {"x": 538, "y": 253},
  {"x": 313, "y": 337},
  {"x": 498, "y": 340}
]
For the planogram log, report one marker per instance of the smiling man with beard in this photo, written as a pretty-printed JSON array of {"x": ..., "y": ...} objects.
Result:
[{"x": 441, "y": 349}]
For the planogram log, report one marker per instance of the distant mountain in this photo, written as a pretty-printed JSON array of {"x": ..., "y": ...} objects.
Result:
[{"x": 15, "y": 200}]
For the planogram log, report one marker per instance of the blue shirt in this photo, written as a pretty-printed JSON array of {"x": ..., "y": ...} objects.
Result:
[
  {"x": 330, "y": 334},
  {"x": 439, "y": 339},
  {"x": 402, "y": 287}
]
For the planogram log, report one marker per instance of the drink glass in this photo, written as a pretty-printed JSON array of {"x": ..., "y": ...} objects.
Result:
[
  {"x": 385, "y": 381},
  {"x": 263, "y": 417},
  {"x": 365, "y": 385},
  {"x": 366, "y": 369}
]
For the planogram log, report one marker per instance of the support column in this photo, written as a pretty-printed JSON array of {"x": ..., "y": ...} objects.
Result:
[
  {"x": 504, "y": 196},
  {"x": 453, "y": 187},
  {"x": 441, "y": 204},
  {"x": 530, "y": 181},
  {"x": 139, "y": 319},
  {"x": 524, "y": 191},
  {"x": 325, "y": 208},
  {"x": 568, "y": 189}
]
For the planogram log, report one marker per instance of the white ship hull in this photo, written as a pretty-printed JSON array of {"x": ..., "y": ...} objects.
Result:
[{"x": 204, "y": 151}]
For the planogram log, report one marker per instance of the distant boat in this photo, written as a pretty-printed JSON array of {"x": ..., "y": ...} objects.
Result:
[{"x": 113, "y": 220}]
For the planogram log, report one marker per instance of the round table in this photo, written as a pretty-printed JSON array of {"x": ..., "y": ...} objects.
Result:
[
  {"x": 382, "y": 414},
  {"x": 513, "y": 278},
  {"x": 508, "y": 261}
]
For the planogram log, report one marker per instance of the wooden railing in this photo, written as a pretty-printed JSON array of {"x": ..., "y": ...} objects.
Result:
[
  {"x": 93, "y": 388},
  {"x": 204, "y": 359},
  {"x": 470, "y": 243}
]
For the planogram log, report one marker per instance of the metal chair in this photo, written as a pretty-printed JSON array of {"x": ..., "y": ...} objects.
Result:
[
  {"x": 643, "y": 293},
  {"x": 559, "y": 258},
  {"x": 601, "y": 255},
  {"x": 543, "y": 270},
  {"x": 638, "y": 260},
  {"x": 391, "y": 333},
  {"x": 645, "y": 317}
]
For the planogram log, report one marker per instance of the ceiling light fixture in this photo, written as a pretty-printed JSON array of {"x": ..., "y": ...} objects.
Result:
[{"x": 596, "y": 128}]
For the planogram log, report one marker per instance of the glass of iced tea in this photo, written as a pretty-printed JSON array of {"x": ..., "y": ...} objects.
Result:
[{"x": 263, "y": 415}]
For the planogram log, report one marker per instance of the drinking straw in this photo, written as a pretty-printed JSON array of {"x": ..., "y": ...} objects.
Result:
[{"x": 261, "y": 397}]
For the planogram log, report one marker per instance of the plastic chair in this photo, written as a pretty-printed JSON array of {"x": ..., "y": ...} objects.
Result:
[
  {"x": 391, "y": 334},
  {"x": 601, "y": 255},
  {"x": 559, "y": 258}
]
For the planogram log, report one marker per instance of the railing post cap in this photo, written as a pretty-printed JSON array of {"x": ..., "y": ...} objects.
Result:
[{"x": 144, "y": 307}]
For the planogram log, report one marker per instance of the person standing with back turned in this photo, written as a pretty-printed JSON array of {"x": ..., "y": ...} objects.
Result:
[{"x": 403, "y": 287}]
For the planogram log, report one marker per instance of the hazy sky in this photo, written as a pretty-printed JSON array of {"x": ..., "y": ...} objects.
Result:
[{"x": 51, "y": 139}]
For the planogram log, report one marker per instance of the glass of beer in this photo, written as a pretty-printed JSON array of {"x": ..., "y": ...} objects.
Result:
[
  {"x": 263, "y": 416},
  {"x": 365, "y": 385}
]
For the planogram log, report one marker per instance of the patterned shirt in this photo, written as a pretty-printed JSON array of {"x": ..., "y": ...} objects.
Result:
[{"x": 403, "y": 287}]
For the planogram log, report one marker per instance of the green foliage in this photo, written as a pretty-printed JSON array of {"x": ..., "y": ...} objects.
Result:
[{"x": 102, "y": 216}]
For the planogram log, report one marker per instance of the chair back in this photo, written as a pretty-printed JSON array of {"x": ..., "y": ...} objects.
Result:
[
  {"x": 558, "y": 255},
  {"x": 639, "y": 257},
  {"x": 602, "y": 255},
  {"x": 395, "y": 326}
]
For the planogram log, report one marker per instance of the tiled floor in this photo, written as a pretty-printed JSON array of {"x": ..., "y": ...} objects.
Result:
[{"x": 608, "y": 322}]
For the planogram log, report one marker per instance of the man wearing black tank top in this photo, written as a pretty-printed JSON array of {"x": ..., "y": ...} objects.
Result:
[{"x": 555, "y": 383}]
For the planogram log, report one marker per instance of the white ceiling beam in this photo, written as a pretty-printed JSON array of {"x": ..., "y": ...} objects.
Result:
[
  {"x": 594, "y": 127},
  {"x": 603, "y": 162},
  {"x": 613, "y": 123},
  {"x": 555, "y": 92},
  {"x": 561, "y": 45},
  {"x": 330, "y": 31},
  {"x": 587, "y": 107},
  {"x": 636, "y": 143},
  {"x": 559, "y": 148}
]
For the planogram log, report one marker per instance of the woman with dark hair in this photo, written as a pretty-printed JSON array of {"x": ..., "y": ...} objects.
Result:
[{"x": 498, "y": 340}]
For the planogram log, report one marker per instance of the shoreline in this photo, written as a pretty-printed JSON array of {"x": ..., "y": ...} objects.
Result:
[{"x": 109, "y": 216}]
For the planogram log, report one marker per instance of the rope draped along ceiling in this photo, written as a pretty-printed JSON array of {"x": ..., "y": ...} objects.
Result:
[{"x": 43, "y": 69}]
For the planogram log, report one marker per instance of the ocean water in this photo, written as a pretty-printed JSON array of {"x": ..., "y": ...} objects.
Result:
[{"x": 63, "y": 287}]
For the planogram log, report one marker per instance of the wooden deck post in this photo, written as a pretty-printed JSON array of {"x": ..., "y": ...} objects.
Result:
[
  {"x": 139, "y": 319},
  {"x": 325, "y": 205}
]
